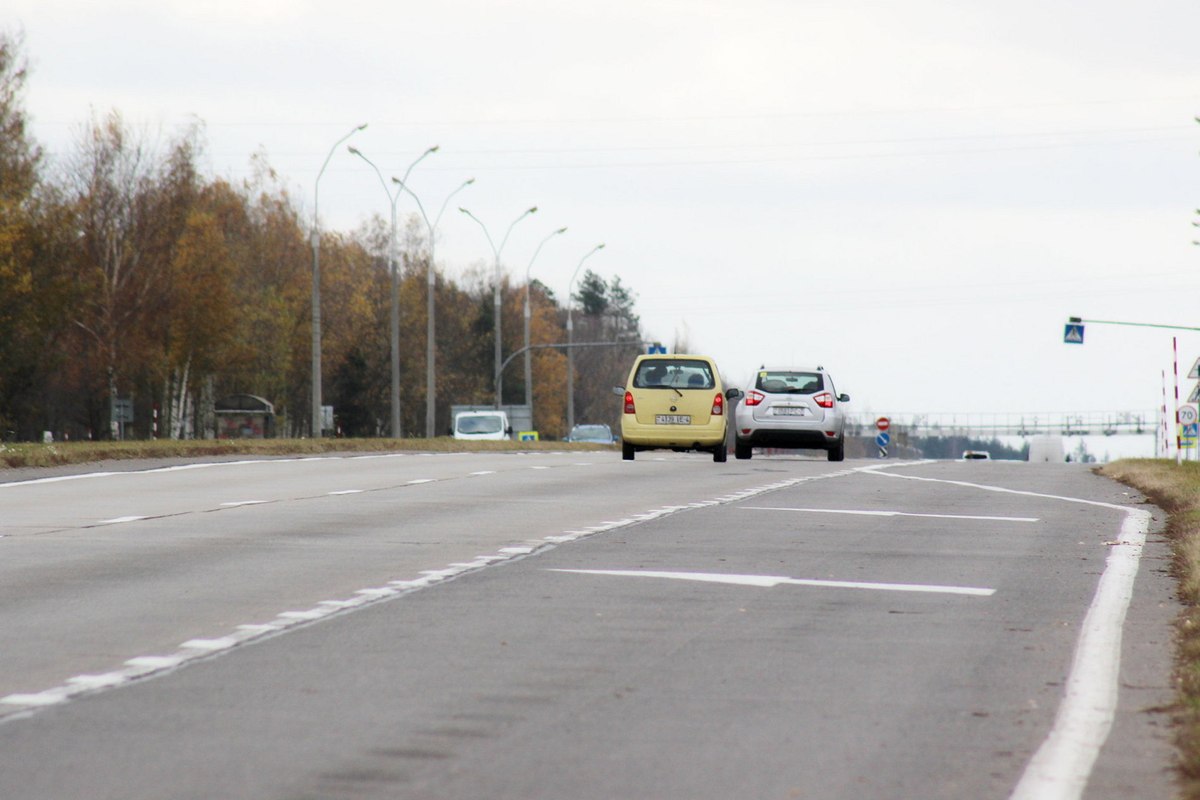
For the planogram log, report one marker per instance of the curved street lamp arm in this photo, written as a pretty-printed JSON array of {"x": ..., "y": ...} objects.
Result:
[
  {"x": 524, "y": 214},
  {"x": 317, "y": 182},
  {"x": 539, "y": 249},
  {"x": 491, "y": 244},
  {"x": 446, "y": 202},
  {"x": 355, "y": 151},
  {"x": 576, "y": 273}
]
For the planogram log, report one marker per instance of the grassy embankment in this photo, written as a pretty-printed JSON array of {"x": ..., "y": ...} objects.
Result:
[
  {"x": 1176, "y": 490},
  {"x": 66, "y": 453}
]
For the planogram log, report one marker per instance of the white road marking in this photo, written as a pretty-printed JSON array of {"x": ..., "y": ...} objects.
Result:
[
  {"x": 416, "y": 481},
  {"x": 119, "y": 520},
  {"x": 98, "y": 681},
  {"x": 768, "y": 581},
  {"x": 238, "y": 503},
  {"x": 210, "y": 645},
  {"x": 1061, "y": 767},
  {"x": 347, "y": 491},
  {"x": 148, "y": 666},
  {"x": 864, "y": 513}
]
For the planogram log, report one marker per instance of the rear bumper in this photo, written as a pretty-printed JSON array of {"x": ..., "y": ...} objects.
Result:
[
  {"x": 687, "y": 437},
  {"x": 762, "y": 437}
]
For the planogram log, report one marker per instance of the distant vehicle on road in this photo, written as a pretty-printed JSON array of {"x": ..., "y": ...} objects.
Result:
[
  {"x": 791, "y": 407},
  {"x": 976, "y": 455},
  {"x": 597, "y": 433},
  {"x": 482, "y": 425},
  {"x": 675, "y": 402}
]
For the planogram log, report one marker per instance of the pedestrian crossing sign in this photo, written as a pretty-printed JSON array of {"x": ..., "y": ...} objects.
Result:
[{"x": 1073, "y": 333}]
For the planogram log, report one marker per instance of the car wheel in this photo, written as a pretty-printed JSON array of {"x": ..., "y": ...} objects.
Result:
[
  {"x": 838, "y": 451},
  {"x": 627, "y": 451},
  {"x": 720, "y": 453},
  {"x": 742, "y": 451}
]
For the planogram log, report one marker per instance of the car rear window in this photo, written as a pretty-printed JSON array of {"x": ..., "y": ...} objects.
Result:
[
  {"x": 674, "y": 373},
  {"x": 788, "y": 382}
]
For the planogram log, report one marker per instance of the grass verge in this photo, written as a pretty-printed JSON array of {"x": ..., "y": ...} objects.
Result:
[
  {"x": 67, "y": 453},
  {"x": 1176, "y": 490}
]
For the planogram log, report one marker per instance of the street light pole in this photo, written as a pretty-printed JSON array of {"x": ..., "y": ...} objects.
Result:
[
  {"x": 571, "y": 341},
  {"x": 430, "y": 303},
  {"x": 395, "y": 332},
  {"x": 528, "y": 315},
  {"x": 496, "y": 291},
  {"x": 316, "y": 289}
]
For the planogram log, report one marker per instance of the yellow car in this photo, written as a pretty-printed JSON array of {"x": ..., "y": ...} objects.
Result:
[{"x": 675, "y": 402}]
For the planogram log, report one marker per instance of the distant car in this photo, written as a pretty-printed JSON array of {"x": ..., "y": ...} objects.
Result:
[
  {"x": 791, "y": 407},
  {"x": 675, "y": 402},
  {"x": 976, "y": 455},
  {"x": 595, "y": 433}
]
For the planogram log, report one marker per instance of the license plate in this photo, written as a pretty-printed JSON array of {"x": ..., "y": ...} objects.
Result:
[
  {"x": 672, "y": 419},
  {"x": 788, "y": 411}
]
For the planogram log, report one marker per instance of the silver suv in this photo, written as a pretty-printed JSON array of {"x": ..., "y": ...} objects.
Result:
[{"x": 791, "y": 407}]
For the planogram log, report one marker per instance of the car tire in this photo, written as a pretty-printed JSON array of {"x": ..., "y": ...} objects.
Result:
[
  {"x": 742, "y": 451},
  {"x": 720, "y": 453},
  {"x": 627, "y": 451},
  {"x": 838, "y": 451}
]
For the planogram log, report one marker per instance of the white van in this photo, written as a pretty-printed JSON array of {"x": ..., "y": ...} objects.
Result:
[{"x": 482, "y": 425}]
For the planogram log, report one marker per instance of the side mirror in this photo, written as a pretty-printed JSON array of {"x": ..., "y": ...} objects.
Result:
[
  {"x": 734, "y": 394},
  {"x": 508, "y": 431},
  {"x": 619, "y": 391},
  {"x": 843, "y": 398}
]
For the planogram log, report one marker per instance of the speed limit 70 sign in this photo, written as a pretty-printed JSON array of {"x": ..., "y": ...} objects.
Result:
[{"x": 1187, "y": 415}]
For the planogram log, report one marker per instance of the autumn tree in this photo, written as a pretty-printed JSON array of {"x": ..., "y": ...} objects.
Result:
[
  {"x": 19, "y": 161},
  {"x": 130, "y": 208},
  {"x": 549, "y": 365},
  {"x": 272, "y": 300},
  {"x": 607, "y": 317}
]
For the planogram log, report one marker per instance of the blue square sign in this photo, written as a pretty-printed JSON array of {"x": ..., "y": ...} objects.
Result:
[{"x": 1073, "y": 333}]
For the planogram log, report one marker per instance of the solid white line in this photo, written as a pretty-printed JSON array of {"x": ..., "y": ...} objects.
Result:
[
  {"x": 1062, "y": 765},
  {"x": 768, "y": 581},
  {"x": 865, "y": 513}
]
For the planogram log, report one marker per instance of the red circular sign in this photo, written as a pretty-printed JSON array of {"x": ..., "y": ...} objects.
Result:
[{"x": 883, "y": 423}]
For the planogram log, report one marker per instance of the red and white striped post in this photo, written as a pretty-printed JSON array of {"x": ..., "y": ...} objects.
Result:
[{"x": 1178, "y": 430}]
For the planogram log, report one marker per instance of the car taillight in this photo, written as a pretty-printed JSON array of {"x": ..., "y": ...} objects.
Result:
[
  {"x": 824, "y": 400},
  {"x": 753, "y": 398},
  {"x": 718, "y": 406},
  {"x": 629, "y": 409}
]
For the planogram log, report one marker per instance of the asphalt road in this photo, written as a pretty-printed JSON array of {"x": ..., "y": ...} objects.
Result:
[{"x": 575, "y": 626}]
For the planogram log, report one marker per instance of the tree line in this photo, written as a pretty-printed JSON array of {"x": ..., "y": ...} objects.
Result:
[{"x": 126, "y": 272}]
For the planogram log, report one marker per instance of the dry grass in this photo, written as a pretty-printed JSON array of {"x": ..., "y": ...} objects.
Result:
[
  {"x": 64, "y": 453},
  {"x": 1176, "y": 490}
]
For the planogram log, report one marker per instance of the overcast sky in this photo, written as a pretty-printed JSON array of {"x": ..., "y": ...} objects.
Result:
[{"x": 915, "y": 195}]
